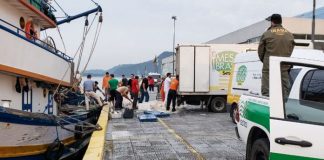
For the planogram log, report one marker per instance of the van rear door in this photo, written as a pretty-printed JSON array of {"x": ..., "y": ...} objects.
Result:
[
  {"x": 186, "y": 68},
  {"x": 194, "y": 65},
  {"x": 202, "y": 62}
]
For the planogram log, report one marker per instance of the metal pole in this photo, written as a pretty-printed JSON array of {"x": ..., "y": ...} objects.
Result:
[
  {"x": 173, "y": 54},
  {"x": 313, "y": 22}
]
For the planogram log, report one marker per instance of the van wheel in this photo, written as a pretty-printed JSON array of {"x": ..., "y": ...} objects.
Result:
[
  {"x": 217, "y": 105},
  {"x": 260, "y": 149},
  {"x": 234, "y": 112}
]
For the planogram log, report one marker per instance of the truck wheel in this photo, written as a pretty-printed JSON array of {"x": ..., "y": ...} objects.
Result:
[
  {"x": 217, "y": 105},
  {"x": 233, "y": 113},
  {"x": 260, "y": 149}
]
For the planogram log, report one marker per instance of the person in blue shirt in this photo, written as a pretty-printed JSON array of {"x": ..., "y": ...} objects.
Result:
[{"x": 88, "y": 87}]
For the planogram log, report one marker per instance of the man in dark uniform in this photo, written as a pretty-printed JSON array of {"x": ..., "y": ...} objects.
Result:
[{"x": 276, "y": 41}]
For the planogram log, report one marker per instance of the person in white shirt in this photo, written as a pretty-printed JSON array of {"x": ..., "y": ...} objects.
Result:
[{"x": 167, "y": 83}]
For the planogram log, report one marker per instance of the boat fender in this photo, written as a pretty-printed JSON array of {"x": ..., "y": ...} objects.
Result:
[
  {"x": 98, "y": 127},
  {"x": 44, "y": 92},
  {"x": 26, "y": 86},
  {"x": 18, "y": 86},
  {"x": 79, "y": 131},
  {"x": 54, "y": 151},
  {"x": 29, "y": 30}
]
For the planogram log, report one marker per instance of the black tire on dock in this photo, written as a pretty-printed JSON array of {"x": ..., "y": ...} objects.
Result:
[
  {"x": 233, "y": 112},
  {"x": 54, "y": 151}
]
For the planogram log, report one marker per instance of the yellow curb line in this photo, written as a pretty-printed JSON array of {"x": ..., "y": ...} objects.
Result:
[
  {"x": 197, "y": 155},
  {"x": 96, "y": 146}
]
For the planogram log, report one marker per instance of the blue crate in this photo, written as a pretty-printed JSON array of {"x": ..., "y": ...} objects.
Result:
[
  {"x": 157, "y": 113},
  {"x": 147, "y": 118}
]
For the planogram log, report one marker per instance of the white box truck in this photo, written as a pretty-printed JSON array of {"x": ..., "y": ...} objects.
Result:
[{"x": 204, "y": 72}]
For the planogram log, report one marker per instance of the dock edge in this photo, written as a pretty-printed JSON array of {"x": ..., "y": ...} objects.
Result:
[{"x": 95, "y": 150}]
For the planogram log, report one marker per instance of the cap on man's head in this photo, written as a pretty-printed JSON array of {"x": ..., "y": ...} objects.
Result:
[{"x": 275, "y": 18}]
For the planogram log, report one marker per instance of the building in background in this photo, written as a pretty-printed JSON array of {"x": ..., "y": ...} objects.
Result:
[
  {"x": 300, "y": 26},
  {"x": 167, "y": 65}
]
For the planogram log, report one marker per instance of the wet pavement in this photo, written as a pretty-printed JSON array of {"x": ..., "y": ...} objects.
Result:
[{"x": 190, "y": 133}]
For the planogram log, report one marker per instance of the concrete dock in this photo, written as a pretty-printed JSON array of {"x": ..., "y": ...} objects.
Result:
[
  {"x": 190, "y": 133},
  {"x": 95, "y": 150}
]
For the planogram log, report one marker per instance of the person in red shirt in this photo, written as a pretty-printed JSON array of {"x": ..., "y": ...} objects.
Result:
[
  {"x": 172, "y": 95},
  {"x": 151, "y": 83},
  {"x": 135, "y": 90}
]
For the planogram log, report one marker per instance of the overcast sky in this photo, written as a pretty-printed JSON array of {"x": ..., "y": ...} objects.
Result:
[{"x": 134, "y": 31}]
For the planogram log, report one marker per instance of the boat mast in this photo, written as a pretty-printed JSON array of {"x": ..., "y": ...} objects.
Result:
[{"x": 71, "y": 18}]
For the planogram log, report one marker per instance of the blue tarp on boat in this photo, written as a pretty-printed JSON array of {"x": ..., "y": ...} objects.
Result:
[{"x": 157, "y": 113}]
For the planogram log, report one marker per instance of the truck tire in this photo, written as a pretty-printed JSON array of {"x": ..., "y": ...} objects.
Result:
[
  {"x": 217, "y": 105},
  {"x": 233, "y": 112},
  {"x": 179, "y": 101},
  {"x": 260, "y": 149}
]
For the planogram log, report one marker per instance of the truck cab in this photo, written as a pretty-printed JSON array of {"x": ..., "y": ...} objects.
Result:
[{"x": 279, "y": 127}]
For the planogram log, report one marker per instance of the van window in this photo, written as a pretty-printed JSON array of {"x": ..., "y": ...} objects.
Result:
[
  {"x": 293, "y": 74},
  {"x": 310, "y": 106},
  {"x": 313, "y": 86}
]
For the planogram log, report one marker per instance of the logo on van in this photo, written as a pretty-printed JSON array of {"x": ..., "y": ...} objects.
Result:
[
  {"x": 223, "y": 61},
  {"x": 241, "y": 75}
]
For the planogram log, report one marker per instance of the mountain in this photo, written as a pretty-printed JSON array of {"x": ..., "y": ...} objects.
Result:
[{"x": 137, "y": 69}]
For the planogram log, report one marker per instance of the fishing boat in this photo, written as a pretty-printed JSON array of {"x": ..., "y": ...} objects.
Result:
[{"x": 41, "y": 116}]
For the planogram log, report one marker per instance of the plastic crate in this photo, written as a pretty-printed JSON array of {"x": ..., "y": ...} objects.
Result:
[{"x": 147, "y": 118}]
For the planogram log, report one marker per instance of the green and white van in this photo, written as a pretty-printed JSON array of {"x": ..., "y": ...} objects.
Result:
[
  {"x": 246, "y": 76},
  {"x": 289, "y": 128}
]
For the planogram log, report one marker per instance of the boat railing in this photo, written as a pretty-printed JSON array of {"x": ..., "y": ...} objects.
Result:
[
  {"x": 34, "y": 40},
  {"x": 44, "y": 7}
]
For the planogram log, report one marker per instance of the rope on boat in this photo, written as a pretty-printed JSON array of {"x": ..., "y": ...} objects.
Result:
[
  {"x": 76, "y": 53},
  {"x": 94, "y": 44},
  {"x": 82, "y": 42},
  {"x": 59, "y": 31},
  {"x": 66, "y": 15},
  {"x": 83, "y": 124}
]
